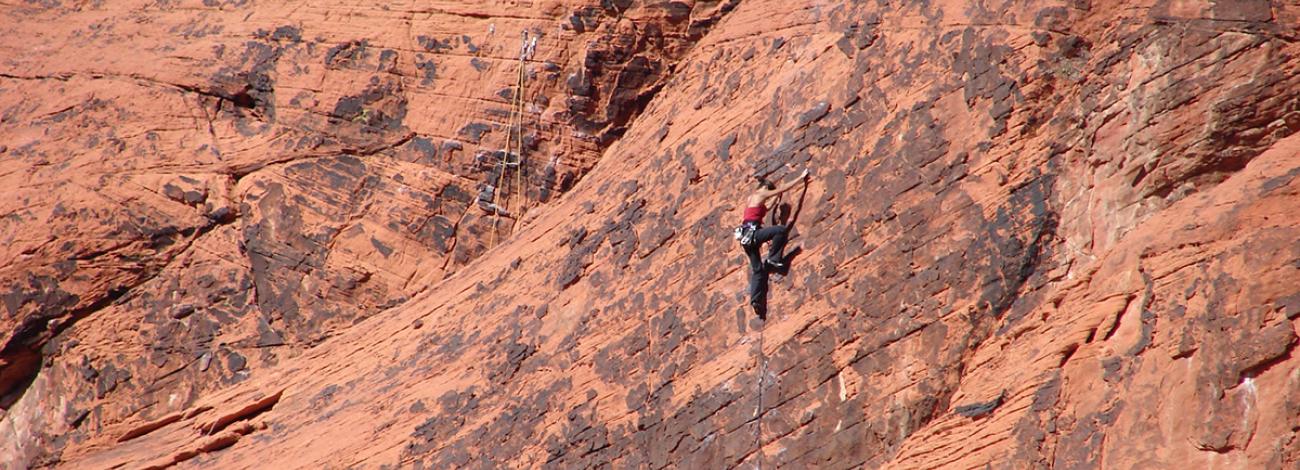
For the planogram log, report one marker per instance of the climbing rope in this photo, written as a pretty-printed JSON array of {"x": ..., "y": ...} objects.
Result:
[
  {"x": 529, "y": 47},
  {"x": 519, "y": 139},
  {"x": 758, "y": 412},
  {"x": 514, "y": 139}
]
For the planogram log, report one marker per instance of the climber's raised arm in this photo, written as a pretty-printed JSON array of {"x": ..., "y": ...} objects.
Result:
[{"x": 770, "y": 190}]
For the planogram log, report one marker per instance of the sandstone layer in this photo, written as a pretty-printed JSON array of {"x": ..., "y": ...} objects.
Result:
[
  {"x": 1039, "y": 234},
  {"x": 194, "y": 191}
]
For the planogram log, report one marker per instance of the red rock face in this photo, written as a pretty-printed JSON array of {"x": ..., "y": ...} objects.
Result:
[
  {"x": 195, "y": 194},
  {"x": 1051, "y": 235}
]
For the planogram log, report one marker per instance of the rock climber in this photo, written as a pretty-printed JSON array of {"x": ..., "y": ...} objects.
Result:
[{"x": 751, "y": 234}]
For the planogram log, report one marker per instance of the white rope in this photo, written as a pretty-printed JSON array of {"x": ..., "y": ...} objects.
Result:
[{"x": 758, "y": 412}]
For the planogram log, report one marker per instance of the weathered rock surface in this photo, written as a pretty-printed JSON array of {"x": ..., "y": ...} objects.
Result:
[
  {"x": 194, "y": 191},
  {"x": 1051, "y": 234}
]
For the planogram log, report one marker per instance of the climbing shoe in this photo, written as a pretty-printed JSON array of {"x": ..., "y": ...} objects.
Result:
[{"x": 774, "y": 264}]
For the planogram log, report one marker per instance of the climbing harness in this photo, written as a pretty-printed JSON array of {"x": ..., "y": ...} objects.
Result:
[{"x": 745, "y": 233}]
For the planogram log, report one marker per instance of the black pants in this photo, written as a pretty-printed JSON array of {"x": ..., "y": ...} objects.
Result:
[{"x": 778, "y": 235}]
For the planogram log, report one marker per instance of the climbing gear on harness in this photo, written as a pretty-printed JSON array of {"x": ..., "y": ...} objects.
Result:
[{"x": 745, "y": 233}]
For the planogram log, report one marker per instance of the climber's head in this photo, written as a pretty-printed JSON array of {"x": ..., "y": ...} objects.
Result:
[{"x": 763, "y": 183}]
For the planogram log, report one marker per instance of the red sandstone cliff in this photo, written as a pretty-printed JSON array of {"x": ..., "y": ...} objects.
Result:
[{"x": 1055, "y": 234}]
